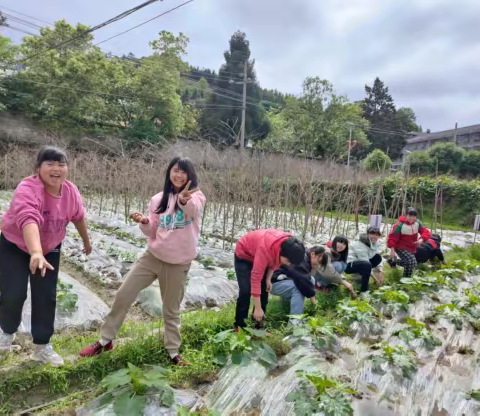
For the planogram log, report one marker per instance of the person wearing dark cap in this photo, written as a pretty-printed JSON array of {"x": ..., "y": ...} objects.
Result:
[
  {"x": 430, "y": 250},
  {"x": 364, "y": 256},
  {"x": 257, "y": 255}
]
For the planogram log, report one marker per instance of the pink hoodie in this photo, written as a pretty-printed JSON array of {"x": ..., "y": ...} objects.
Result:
[
  {"x": 173, "y": 237},
  {"x": 32, "y": 204},
  {"x": 262, "y": 248}
]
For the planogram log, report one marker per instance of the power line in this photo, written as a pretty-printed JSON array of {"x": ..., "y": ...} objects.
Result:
[
  {"x": 144, "y": 23},
  {"x": 18, "y": 29},
  {"x": 21, "y": 21},
  {"x": 26, "y": 15},
  {"x": 93, "y": 29}
]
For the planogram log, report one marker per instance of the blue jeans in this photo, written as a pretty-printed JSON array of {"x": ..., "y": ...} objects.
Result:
[
  {"x": 340, "y": 266},
  {"x": 288, "y": 291}
]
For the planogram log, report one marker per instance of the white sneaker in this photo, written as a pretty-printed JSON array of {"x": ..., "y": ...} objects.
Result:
[
  {"x": 46, "y": 354},
  {"x": 6, "y": 341}
]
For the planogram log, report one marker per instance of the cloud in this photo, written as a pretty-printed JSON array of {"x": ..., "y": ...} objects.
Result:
[{"x": 425, "y": 51}]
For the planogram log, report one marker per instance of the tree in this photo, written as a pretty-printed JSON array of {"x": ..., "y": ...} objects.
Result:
[
  {"x": 377, "y": 161},
  {"x": 223, "y": 119},
  {"x": 470, "y": 165},
  {"x": 316, "y": 124},
  {"x": 407, "y": 120},
  {"x": 447, "y": 156},
  {"x": 419, "y": 163},
  {"x": 386, "y": 125}
]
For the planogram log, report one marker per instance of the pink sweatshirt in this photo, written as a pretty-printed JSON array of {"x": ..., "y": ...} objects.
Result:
[
  {"x": 32, "y": 204},
  {"x": 173, "y": 237}
]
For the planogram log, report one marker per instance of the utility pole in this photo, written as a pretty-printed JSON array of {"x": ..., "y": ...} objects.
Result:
[
  {"x": 455, "y": 134},
  {"x": 349, "y": 146},
  {"x": 244, "y": 106}
]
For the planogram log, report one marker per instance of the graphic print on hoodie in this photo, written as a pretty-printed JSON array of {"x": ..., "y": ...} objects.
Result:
[{"x": 404, "y": 235}]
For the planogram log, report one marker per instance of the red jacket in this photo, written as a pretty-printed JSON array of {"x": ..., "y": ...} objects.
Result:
[
  {"x": 404, "y": 235},
  {"x": 262, "y": 248}
]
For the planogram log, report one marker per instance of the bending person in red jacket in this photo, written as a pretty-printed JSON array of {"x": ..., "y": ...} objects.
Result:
[
  {"x": 407, "y": 234},
  {"x": 257, "y": 255}
]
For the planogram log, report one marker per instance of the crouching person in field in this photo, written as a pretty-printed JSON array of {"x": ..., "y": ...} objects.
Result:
[
  {"x": 257, "y": 255},
  {"x": 430, "y": 250},
  {"x": 295, "y": 283},
  {"x": 406, "y": 236},
  {"x": 364, "y": 256},
  {"x": 326, "y": 273}
]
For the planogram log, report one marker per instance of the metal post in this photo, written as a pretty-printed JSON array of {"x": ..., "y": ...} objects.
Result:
[
  {"x": 244, "y": 106},
  {"x": 349, "y": 146}
]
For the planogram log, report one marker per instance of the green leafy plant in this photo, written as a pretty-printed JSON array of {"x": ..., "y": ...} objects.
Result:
[
  {"x": 401, "y": 361},
  {"x": 129, "y": 388},
  {"x": 418, "y": 330},
  {"x": 393, "y": 300},
  {"x": 231, "y": 275},
  {"x": 419, "y": 284},
  {"x": 66, "y": 301},
  {"x": 474, "y": 394},
  {"x": 450, "y": 311},
  {"x": 322, "y": 330},
  {"x": 360, "y": 311},
  {"x": 243, "y": 346},
  {"x": 330, "y": 397},
  {"x": 183, "y": 411},
  {"x": 207, "y": 263},
  {"x": 121, "y": 255}
]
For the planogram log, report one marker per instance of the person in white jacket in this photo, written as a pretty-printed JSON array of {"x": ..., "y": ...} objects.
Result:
[{"x": 364, "y": 256}]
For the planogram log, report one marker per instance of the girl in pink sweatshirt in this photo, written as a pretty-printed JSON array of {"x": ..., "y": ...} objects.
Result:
[
  {"x": 33, "y": 229},
  {"x": 173, "y": 229}
]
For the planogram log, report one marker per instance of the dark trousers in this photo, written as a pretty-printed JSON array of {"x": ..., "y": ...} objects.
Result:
[
  {"x": 364, "y": 269},
  {"x": 243, "y": 270},
  {"x": 14, "y": 276}
]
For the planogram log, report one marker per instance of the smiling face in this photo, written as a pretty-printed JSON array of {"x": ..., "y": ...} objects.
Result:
[
  {"x": 340, "y": 247},
  {"x": 53, "y": 174},
  {"x": 374, "y": 238},
  {"x": 178, "y": 177}
]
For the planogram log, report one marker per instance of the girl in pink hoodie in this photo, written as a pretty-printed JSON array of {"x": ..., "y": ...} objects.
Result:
[
  {"x": 33, "y": 229},
  {"x": 173, "y": 229}
]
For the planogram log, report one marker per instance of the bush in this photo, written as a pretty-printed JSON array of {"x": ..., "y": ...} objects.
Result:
[
  {"x": 470, "y": 166},
  {"x": 419, "y": 163},
  {"x": 377, "y": 161},
  {"x": 448, "y": 155}
]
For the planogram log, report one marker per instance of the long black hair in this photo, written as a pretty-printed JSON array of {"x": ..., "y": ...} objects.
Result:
[
  {"x": 184, "y": 164},
  {"x": 318, "y": 250},
  {"x": 342, "y": 255},
  {"x": 50, "y": 154}
]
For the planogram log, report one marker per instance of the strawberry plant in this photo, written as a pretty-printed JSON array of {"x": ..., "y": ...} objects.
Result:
[
  {"x": 321, "y": 330},
  {"x": 242, "y": 346},
  {"x": 66, "y": 301},
  {"x": 330, "y": 397},
  {"x": 418, "y": 330},
  {"x": 129, "y": 388},
  {"x": 400, "y": 361}
]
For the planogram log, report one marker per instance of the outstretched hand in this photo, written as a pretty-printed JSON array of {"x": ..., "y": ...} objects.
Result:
[
  {"x": 139, "y": 218},
  {"x": 38, "y": 262},
  {"x": 186, "y": 194}
]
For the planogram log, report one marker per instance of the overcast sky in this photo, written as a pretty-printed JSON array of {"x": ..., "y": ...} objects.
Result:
[{"x": 426, "y": 51}]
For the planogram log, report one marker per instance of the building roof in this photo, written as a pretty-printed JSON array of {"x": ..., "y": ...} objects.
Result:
[{"x": 421, "y": 137}]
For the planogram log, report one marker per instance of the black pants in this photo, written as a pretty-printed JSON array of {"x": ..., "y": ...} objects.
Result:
[
  {"x": 364, "y": 269},
  {"x": 14, "y": 275},
  {"x": 243, "y": 270}
]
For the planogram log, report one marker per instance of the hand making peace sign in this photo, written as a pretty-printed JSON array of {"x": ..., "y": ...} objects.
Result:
[{"x": 186, "y": 194}]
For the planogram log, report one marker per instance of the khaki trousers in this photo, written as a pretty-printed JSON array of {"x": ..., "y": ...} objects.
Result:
[{"x": 172, "y": 279}]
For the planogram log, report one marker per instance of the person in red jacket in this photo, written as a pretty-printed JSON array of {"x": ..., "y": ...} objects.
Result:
[
  {"x": 257, "y": 255},
  {"x": 407, "y": 234}
]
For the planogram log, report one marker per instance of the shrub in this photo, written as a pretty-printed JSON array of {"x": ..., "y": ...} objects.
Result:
[
  {"x": 377, "y": 161},
  {"x": 448, "y": 155},
  {"x": 419, "y": 163}
]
